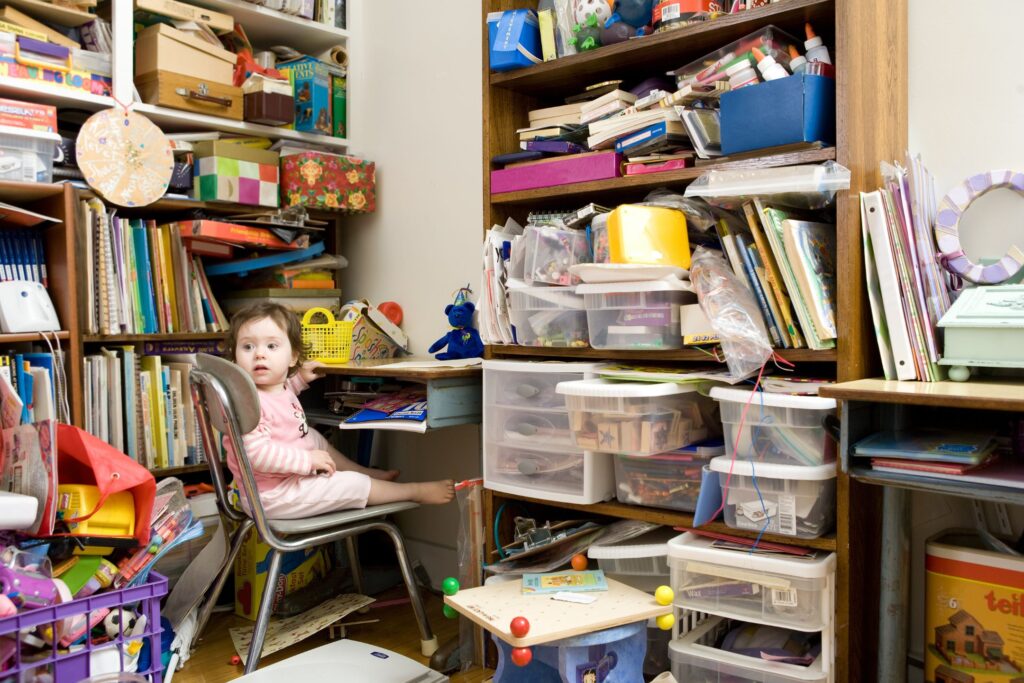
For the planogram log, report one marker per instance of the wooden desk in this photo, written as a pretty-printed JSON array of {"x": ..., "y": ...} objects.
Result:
[{"x": 372, "y": 368}]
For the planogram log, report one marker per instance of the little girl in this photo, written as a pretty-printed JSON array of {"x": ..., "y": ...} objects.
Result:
[{"x": 297, "y": 472}]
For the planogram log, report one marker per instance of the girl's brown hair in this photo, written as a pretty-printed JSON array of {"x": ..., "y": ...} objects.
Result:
[{"x": 285, "y": 319}]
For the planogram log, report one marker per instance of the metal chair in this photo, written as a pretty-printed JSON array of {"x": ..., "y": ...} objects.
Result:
[{"x": 227, "y": 401}]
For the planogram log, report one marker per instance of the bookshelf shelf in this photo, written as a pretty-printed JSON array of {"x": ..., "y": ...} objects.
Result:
[
  {"x": 669, "y": 50},
  {"x": 183, "y": 336},
  {"x": 266, "y": 27},
  {"x": 46, "y": 10},
  {"x": 32, "y": 337},
  {"x": 37, "y": 91},
  {"x": 974, "y": 395},
  {"x": 175, "y": 471},
  {"x": 961, "y": 489},
  {"x": 693, "y": 355},
  {"x": 669, "y": 518},
  {"x": 616, "y": 187}
]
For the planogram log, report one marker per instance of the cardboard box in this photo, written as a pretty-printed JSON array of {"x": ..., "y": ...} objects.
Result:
[
  {"x": 339, "y": 109},
  {"x": 799, "y": 108},
  {"x": 218, "y": 21},
  {"x": 164, "y": 48},
  {"x": 329, "y": 181},
  {"x": 235, "y": 173},
  {"x": 974, "y": 601},
  {"x": 84, "y": 76},
  {"x": 311, "y": 87},
  {"x": 576, "y": 168},
  {"x": 298, "y": 570},
  {"x": 29, "y": 115},
  {"x": 374, "y": 336},
  {"x": 514, "y": 37}
]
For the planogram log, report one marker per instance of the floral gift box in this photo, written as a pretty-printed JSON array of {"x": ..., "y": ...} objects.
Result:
[{"x": 328, "y": 181}]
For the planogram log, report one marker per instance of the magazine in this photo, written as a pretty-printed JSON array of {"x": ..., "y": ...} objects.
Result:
[{"x": 402, "y": 411}]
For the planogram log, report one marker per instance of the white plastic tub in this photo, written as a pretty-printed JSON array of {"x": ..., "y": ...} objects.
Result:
[
  {"x": 572, "y": 476},
  {"x": 635, "y": 315},
  {"x": 790, "y": 592},
  {"x": 664, "y": 480},
  {"x": 695, "y": 659},
  {"x": 791, "y": 500},
  {"x": 548, "y": 316},
  {"x": 27, "y": 155},
  {"x": 635, "y": 418},
  {"x": 778, "y": 428},
  {"x": 644, "y": 557}
]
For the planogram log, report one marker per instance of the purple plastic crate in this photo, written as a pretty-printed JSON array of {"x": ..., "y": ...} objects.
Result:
[{"x": 70, "y": 667}]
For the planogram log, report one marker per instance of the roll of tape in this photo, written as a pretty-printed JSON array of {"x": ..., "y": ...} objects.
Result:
[
  {"x": 266, "y": 59},
  {"x": 947, "y": 228}
]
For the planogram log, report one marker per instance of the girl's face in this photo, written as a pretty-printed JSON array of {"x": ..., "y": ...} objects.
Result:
[{"x": 263, "y": 351}]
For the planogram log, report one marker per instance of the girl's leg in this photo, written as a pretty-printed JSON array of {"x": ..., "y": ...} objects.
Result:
[
  {"x": 424, "y": 492},
  {"x": 343, "y": 464}
]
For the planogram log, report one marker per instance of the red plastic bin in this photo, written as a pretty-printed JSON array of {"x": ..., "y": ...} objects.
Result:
[{"x": 70, "y": 667}]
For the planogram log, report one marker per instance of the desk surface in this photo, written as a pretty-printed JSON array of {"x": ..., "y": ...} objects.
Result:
[{"x": 372, "y": 368}]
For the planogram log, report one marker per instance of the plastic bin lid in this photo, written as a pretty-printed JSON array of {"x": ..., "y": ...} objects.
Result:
[
  {"x": 654, "y": 543},
  {"x": 773, "y": 400},
  {"x": 668, "y": 284},
  {"x": 535, "y": 366},
  {"x": 690, "y": 546},
  {"x": 745, "y": 468},
  {"x": 29, "y": 133},
  {"x": 563, "y": 297},
  {"x": 603, "y": 388}
]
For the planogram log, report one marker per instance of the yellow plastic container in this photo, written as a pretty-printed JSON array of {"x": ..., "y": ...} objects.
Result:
[
  {"x": 648, "y": 235},
  {"x": 328, "y": 342},
  {"x": 116, "y": 517}
]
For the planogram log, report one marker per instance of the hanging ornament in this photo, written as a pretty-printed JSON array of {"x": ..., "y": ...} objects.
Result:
[{"x": 125, "y": 157}]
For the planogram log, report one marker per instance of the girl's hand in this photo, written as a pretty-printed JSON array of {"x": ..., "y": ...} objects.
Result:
[
  {"x": 323, "y": 463},
  {"x": 308, "y": 370}
]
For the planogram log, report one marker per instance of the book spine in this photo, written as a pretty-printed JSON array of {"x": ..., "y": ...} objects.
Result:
[
  {"x": 755, "y": 287},
  {"x": 774, "y": 278}
]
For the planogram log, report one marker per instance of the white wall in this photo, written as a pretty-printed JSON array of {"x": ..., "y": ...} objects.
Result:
[
  {"x": 416, "y": 111},
  {"x": 966, "y": 105}
]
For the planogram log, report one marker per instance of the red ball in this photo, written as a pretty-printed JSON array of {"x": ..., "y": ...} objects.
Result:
[
  {"x": 579, "y": 562},
  {"x": 392, "y": 311},
  {"x": 519, "y": 627},
  {"x": 521, "y": 656},
  {"x": 236, "y": 660}
]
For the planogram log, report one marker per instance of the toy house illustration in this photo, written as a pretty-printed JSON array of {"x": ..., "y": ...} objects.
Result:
[{"x": 964, "y": 642}]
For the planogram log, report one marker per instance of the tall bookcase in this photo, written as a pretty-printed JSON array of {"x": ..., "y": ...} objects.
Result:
[{"x": 869, "y": 41}]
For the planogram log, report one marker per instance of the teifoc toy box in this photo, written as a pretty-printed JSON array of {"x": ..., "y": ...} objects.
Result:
[
  {"x": 311, "y": 87},
  {"x": 974, "y": 603},
  {"x": 799, "y": 108},
  {"x": 298, "y": 570}
]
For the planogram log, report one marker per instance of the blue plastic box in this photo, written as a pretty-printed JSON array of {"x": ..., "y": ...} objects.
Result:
[
  {"x": 799, "y": 108},
  {"x": 514, "y": 37}
]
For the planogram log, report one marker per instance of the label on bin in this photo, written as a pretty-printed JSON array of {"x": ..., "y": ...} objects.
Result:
[
  {"x": 784, "y": 598},
  {"x": 646, "y": 316},
  {"x": 787, "y": 515}
]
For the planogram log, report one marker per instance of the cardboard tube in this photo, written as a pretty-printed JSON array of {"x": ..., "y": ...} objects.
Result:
[{"x": 335, "y": 56}]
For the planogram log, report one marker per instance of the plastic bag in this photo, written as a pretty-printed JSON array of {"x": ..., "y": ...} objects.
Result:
[
  {"x": 470, "y": 557},
  {"x": 733, "y": 313},
  {"x": 698, "y": 213},
  {"x": 801, "y": 187}
]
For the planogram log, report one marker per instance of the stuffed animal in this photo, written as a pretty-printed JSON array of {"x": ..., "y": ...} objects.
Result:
[{"x": 463, "y": 341}]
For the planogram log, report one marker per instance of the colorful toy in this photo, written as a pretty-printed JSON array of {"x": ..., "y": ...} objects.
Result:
[
  {"x": 449, "y": 612},
  {"x": 586, "y": 34},
  {"x": 630, "y": 18},
  {"x": 519, "y": 627},
  {"x": 521, "y": 656},
  {"x": 664, "y": 595},
  {"x": 463, "y": 341},
  {"x": 600, "y": 9},
  {"x": 579, "y": 562},
  {"x": 25, "y": 582},
  {"x": 450, "y": 586}
]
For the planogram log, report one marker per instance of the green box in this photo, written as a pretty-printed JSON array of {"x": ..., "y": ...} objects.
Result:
[{"x": 339, "y": 84}]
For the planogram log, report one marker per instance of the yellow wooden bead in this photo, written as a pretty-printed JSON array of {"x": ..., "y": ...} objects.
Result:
[
  {"x": 664, "y": 595},
  {"x": 666, "y": 621}
]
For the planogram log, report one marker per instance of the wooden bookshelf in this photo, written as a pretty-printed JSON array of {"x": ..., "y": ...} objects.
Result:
[
  {"x": 133, "y": 338},
  {"x": 869, "y": 43},
  {"x": 987, "y": 394},
  {"x": 62, "y": 335}
]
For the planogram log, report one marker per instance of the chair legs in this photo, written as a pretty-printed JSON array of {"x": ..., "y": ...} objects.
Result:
[
  {"x": 353, "y": 563},
  {"x": 235, "y": 541},
  {"x": 259, "y": 631},
  {"x": 428, "y": 641}
]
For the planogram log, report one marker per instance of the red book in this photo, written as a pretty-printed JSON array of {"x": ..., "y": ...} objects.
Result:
[
  {"x": 926, "y": 466},
  {"x": 564, "y": 170},
  {"x": 237, "y": 235},
  {"x": 205, "y": 248},
  {"x": 670, "y": 165}
]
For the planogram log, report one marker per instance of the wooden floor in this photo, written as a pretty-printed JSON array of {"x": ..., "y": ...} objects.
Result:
[{"x": 396, "y": 631}]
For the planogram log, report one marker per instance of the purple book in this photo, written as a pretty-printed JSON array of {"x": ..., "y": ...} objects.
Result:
[
  {"x": 554, "y": 147},
  {"x": 560, "y": 171}
]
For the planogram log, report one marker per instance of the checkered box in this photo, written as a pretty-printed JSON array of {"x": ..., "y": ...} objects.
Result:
[{"x": 236, "y": 173}]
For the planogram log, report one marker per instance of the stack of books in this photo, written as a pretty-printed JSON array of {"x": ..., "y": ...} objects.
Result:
[{"x": 941, "y": 454}]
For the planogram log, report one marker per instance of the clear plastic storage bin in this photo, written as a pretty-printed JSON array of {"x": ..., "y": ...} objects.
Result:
[
  {"x": 697, "y": 659},
  {"x": 791, "y": 500},
  {"x": 664, "y": 480},
  {"x": 635, "y": 315},
  {"x": 550, "y": 251},
  {"x": 643, "y": 557},
  {"x": 778, "y": 590},
  {"x": 27, "y": 155},
  {"x": 779, "y": 428},
  {"x": 634, "y": 418},
  {"x": 548, "y": 316}
]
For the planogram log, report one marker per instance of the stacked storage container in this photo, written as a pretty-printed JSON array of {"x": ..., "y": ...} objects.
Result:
[
  {"x": 528, "y": 447},
  {"x": 788, "y": 592}
]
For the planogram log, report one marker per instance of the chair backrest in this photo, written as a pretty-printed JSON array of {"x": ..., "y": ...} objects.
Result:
[{"x": 227, "y": 401}]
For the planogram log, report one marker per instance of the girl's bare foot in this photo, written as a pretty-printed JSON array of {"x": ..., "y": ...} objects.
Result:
[
  {"x": 434, "y": 492},
  {"x": 383, "y": 475}
]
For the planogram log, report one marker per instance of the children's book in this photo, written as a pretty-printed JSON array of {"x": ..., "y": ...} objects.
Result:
[
  {"x": 556, "y": 582},
  {"x": 942, "y": 446},
  {"x": 403, "y": 411},
  {"x": 811, "y": 248}
]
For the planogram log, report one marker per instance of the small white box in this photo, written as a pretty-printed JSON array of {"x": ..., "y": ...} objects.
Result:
[
  {"x": 789, "y": 592},
  {"x": 548, "y": 316},
  {"x": 791, "y": 500},
  {"x": 634, "y": 418},
  {"x": 778, "y": 428},
  {"x": 641, "y": 562},
  {"x": 636, "y": 315}
]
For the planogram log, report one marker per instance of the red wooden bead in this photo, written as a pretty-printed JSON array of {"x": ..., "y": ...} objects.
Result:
[
  {"x": 519, "y": 627},
  {"x": 521, "y": 656}
]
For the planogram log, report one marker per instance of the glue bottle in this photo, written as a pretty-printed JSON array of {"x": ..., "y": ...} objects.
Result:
[
  {"x": 797, "y": 62},
  {"x": 816, "y": 51},
  {"x": 742, "y": 73},
  {"x": 769, "y": 68}
]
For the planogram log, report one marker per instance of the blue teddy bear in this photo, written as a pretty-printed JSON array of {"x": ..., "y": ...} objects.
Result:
[{"x": 463, "y": 341}]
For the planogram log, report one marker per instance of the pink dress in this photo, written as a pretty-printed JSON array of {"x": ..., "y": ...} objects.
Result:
[{"x": 279, "y": 452}]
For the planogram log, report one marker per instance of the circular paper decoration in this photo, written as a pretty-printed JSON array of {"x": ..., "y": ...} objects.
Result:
[
  {"x": 947, "y": 228},
  {"x": 125, "y": 157}
]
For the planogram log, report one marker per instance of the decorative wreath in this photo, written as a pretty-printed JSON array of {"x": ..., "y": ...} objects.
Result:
[{"x": 947, "y": 228}]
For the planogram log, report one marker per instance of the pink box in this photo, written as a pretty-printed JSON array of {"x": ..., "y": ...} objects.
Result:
[{"x": 578, "y": 168}]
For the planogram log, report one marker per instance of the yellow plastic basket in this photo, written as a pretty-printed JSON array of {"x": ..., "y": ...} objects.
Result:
[{"x": 329, "y": 342}]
